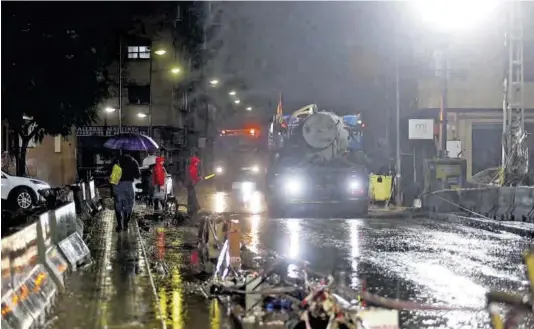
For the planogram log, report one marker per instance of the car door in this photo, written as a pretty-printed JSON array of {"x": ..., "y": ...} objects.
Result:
[{"x": 6, "y": 186}]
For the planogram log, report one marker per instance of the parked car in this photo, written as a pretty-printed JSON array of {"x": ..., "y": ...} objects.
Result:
[{"x": 22, "y": 192}]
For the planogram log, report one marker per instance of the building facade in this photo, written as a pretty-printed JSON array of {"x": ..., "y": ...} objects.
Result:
[{"x": 476, "y": 64}]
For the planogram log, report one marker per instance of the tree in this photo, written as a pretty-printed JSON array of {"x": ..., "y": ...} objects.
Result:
[{"x": 55, "y": 69}]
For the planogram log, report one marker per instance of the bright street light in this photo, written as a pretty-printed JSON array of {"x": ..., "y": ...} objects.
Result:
[
  {"x": 175, "y": 70},
  {"x": 110, "y": 109},
  {"x": 249, "y": 108},
  {"x": 237, "y": 101},
  {"x": 232, "y": 93},
  {"x": 214, "y": 82},
  {"x": 142, "y": 115},
  {"x": 454, "y": 15},
  {"x": 160, "y": 52}
]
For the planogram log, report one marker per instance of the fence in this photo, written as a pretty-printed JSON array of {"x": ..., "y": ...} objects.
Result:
[
  {"x": 36, "y": 259},
  {"x": 500, "y": 203}
]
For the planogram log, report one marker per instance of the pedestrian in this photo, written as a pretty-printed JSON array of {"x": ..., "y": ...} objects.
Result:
[
  {"x": 158, "y": 179},
  {"x": 124, "y": 191},
  {"x": 192, "y": 201}
]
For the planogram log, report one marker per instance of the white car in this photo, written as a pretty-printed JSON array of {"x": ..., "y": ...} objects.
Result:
[{"x": 21, "y": 192}]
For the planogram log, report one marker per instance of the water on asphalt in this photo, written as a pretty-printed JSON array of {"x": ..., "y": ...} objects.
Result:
[{"x": 416, "y": 259}]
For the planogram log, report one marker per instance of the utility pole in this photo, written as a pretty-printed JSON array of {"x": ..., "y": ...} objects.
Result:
[
  {"x": 514, "y": 148},
  {"x": 120, "y": 85},
  {"x": 397, "y": 112},
  {"x": 150, "y": 94},
  {"x": 444, "y": 102}
]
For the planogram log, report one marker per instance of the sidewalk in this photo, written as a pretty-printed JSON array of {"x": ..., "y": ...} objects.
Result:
[{"x": 115, "y": 290}]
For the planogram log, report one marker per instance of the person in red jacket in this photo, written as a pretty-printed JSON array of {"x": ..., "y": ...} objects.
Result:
[
  {"x": 192, "y": 201},
  {"x": 158, "y": 179}
]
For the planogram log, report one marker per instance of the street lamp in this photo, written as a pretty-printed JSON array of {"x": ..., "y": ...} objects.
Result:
[
  {"x": 160, "y": 52},
  {"x": 175, "y": 70},
  {"x": 110, "y": 109},
  {"x": 142, "y": 115},
  {"x": 214, "y": 82},
  {"x": 237, "y": 101},
  {"x": 232, "y": 93},
  {"x": 249, "y": 108}
]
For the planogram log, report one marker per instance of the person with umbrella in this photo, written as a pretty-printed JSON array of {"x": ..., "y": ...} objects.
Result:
[{"x": 124, "y": 191}]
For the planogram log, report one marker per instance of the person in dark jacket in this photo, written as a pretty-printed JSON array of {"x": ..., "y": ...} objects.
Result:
[{"x": 124, "y": 191}]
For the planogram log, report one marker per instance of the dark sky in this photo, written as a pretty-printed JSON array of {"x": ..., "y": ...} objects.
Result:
[{"x": 306, "y": 50}]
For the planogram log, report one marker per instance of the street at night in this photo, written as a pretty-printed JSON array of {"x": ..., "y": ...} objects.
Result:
[{"x": 416, "y": 259}]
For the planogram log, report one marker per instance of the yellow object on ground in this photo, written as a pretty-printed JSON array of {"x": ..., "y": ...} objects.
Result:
[
  {"x": 116, "y": 174},
  {"x": 380, "y": 187}
]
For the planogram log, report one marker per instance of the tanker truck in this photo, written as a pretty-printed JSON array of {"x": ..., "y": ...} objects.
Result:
[{"x": 316, "y": 163}]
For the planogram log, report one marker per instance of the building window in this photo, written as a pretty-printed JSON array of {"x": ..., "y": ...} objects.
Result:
[
  {"x": 139, "y": 95},
  {"x": 138, "y": 52}
]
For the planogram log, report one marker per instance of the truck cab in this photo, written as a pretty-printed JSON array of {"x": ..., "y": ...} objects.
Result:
[{"x": 240, "y": 157}]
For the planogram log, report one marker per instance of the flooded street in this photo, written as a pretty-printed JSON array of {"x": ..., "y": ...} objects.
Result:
[{"x": 417, "y": 259}]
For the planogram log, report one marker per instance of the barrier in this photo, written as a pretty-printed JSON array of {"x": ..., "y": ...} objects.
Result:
[
  {"x": 31, "y": 289},
  {"x": 33, "y": 268},
  {"x": 499, "y": 203},
  {"x": 523, "y": 204}
]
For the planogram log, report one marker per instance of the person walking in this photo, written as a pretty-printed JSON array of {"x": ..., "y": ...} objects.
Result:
[
  {"x": 124, "y": 191},
  {"x": 192, "y": 201},
  {"x": 158, "y": 179}
]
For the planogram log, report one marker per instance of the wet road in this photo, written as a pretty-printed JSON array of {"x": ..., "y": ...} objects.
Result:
[{"x": 418, "y": 259}]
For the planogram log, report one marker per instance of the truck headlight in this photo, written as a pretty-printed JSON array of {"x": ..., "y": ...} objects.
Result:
[
  {"x": 354, "y": 184},
  {"x": 255, "y": 169},
  {"x": 293, "y": 186},
  {"x": 219, "y": 170}
]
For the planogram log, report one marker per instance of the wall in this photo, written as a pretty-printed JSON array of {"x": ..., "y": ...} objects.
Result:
[
  {"x": 56, "y": 166},
  {"x": 464, "y": 123}
]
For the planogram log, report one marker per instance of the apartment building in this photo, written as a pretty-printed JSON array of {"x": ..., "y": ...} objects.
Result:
[{"x": 154, "y": 98}]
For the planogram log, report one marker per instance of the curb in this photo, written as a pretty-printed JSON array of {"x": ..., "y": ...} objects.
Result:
[{"x": 487, "y": 224}]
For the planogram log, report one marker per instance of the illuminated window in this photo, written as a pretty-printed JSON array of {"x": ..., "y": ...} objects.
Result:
[{"x": 138, "y": 52}]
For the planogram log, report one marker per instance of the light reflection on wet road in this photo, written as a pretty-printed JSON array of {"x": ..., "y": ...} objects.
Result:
[
  {"x": 424, "y": 260},
  {"x": 420, "y": 259}
]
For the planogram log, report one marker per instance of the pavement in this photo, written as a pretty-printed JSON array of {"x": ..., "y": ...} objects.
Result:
[{"x": 420, "y": 259}]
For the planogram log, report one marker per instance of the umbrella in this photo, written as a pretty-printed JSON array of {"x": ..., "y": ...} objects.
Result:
[{"x": 131, "y": 142}]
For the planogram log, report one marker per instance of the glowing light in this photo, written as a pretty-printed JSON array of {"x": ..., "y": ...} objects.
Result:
[
  {"x": 220, "y": 202},
  {"x": 249, "y": 108},
  {"x": 142, "y": 115},
  {"x": 252, "y": 132},
  {"x": 254, "y": 233},
  {"x": 214, "y": 82},
  {"x": 237, "y": 101},
  {"x": 175, "y": 70},
  {"x": 160, "y": 52},
  {"x": 455, "y": 15},
  {"x": 110, "y": 109},
  {"x": 219, "y": 170},
  {"x": 293, "y": 225},
  {"x": 354, "y": 251},
  {"x": 255, "y": 202},
  {"x": 232, "y": 93}
]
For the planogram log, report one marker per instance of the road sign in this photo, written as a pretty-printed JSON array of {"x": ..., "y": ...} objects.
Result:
[{"x": 421, "y": 129}]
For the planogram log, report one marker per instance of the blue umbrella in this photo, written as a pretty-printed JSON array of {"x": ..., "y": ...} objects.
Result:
[{"x": 131, "y": 142}]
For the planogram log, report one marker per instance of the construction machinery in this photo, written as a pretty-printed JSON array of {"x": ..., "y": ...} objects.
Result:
[{"x": 316, "y": 161}]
